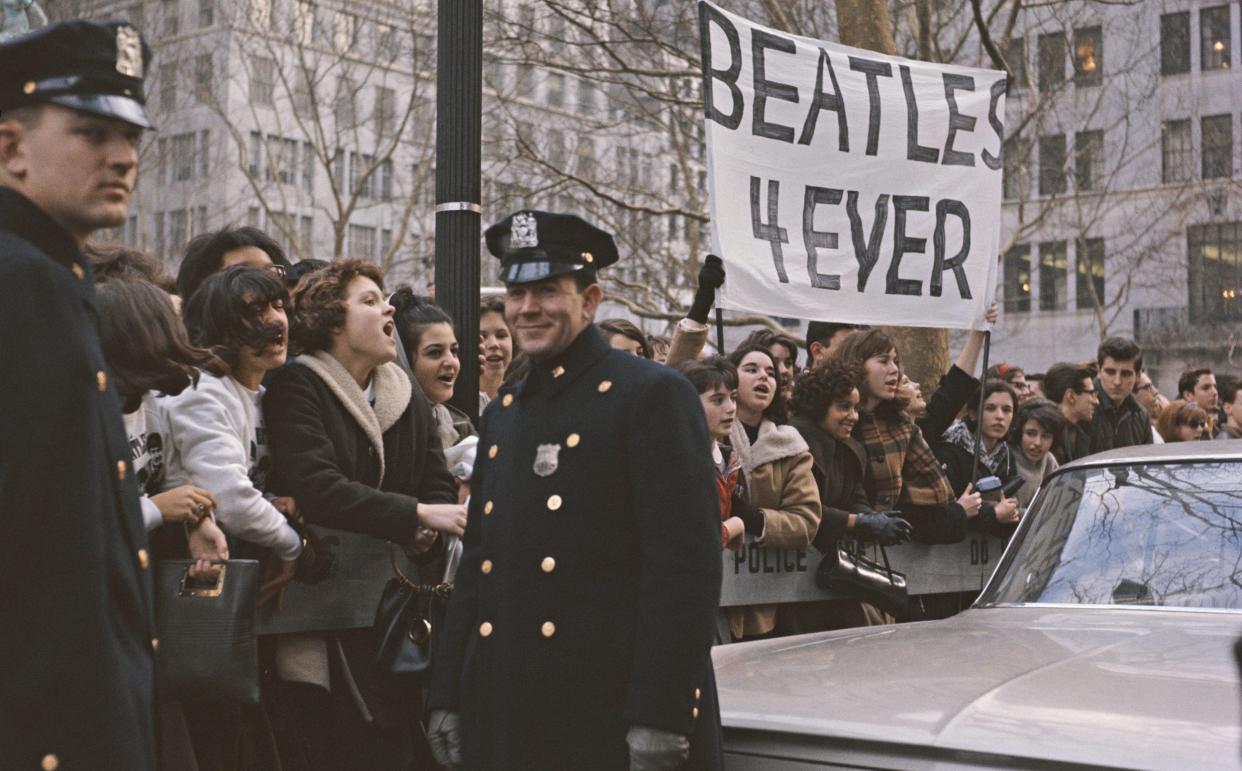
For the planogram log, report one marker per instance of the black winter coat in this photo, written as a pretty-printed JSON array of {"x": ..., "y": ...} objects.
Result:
[
  {"x": 955, "y": 388},
  {"x": 1118, "y": 425},
  {"x": 838, "y": 468},
  {"x": 76, "y": 650},
  {"x": 957, "y": 463},
  {"x": 588, "y": 589}
]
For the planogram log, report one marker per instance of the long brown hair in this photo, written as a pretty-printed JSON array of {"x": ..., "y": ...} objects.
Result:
[{"x": 859, "y": 346}]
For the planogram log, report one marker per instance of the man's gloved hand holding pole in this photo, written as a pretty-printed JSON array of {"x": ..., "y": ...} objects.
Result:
[{"x": 444, "y": 736}]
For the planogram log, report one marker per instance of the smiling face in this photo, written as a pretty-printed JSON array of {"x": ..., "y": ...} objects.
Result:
[
  {"x": 997, "y": 415},
  {"x": 436, "y": 362},
  {"x": 720, "y": 408},
  {"x": 881, "y": 375},
  {"x": 497, "y": 344},
  {"x": 546, "y": 316},
  {"x": 842, "y": 416},
  {"x": 367, "y": 333},
  {"x": 756, "y": 383},
  {"x": 78, "y": 168},
  {"x": 1036, "y": 441}
]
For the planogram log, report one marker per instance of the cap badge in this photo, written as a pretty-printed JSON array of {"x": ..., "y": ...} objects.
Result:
[
  {"x": 128, "y": 52},
  {"x": 524, "y": 232},
  {"x": 547, "y": 459}
]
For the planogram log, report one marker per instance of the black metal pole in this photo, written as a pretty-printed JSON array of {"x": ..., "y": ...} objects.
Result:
[
  {"x": 459, "y": 100},
  {"x": 983, "y": 379},
  {"x": 720, "y": 332}
]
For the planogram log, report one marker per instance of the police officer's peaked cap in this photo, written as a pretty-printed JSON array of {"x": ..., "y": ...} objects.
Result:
[
  {"x": 94, "y": 67},
  {"x": 533, "y": 245}
]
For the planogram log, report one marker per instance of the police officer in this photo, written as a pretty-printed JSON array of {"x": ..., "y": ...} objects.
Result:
[
  {"x": 77, "y": 645},
  {"x": 579, "y": 630}
]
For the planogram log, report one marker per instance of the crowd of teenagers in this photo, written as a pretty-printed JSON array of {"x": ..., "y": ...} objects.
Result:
[{"x": 260, "y": 395}]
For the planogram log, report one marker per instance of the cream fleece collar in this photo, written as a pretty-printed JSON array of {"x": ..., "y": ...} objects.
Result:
[
  {"x": 773, "y": 443},
  {"x": 392, "y": 396}
]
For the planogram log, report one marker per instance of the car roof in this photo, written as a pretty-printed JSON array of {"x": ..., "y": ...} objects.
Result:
[{"x": 1212, "y": 450}]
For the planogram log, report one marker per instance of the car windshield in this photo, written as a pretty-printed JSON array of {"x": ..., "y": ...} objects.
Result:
[{"x": 1155, "y": 534}]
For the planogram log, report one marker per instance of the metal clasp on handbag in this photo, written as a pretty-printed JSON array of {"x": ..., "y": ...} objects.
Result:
[
  {"x": 430, "y": 590},
  {"x": 212, "y": 590}
]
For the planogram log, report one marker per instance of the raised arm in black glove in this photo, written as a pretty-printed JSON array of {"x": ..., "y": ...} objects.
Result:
[
  {"x": 880, "y": 527},
  {"x": 711, "y": 277},
  {"x": 750, "y": 515}
]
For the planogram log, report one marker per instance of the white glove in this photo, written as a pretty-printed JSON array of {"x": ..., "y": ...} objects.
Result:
[
  {"x": 444, "y": 736},
  {"x": 654, "y": 750}
]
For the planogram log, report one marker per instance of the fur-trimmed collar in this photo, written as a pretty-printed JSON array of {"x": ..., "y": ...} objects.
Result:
[
  {"x": 392, "y": 396},
  {"x": 773, "y": 443}
]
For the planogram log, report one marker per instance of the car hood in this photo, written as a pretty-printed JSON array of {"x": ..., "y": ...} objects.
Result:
[{"x": 1109, "y": 686}]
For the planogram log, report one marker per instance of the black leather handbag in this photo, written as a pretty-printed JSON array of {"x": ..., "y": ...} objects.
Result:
[
  {"x": 848, "y": 571},
  {"x": 406, "y": 621},
  {"x": 207, "y": 649}
]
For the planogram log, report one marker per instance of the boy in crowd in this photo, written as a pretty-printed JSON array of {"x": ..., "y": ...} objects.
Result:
[
  {"x": 1231, "y": 402},
  {"x": 1073, "y": 391},
  {"x": 822, "y": 339},
  {"x": 1199, "y": 386},
  {"x": 1120, "y": 421}
]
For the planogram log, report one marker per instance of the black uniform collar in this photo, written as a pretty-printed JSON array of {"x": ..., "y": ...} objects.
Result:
[
  {"x": 554, "y": 374},
  {"x": 20, "y": 216}
]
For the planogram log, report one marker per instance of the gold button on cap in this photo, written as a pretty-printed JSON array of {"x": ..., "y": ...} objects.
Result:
[
  {"x": 120, "y": 470},
  {"x": 572, "y": 441},
  {"x": 505, "y": 402},
  {"x": 548, "y": 565},
  {"x": 554, "y": 503},
  {"x": 486, "y": 567},
  {"x": 558, "y": 371},
  {"x": 487, "y": 508},
  {"x": 101, "y": 379},
  {"x": 144, "y": 559},
  {"x": 77, "y": 271},
  {"x": 50, "y": 762},
  {"x": 485, "y": 629},
  {"x": 491, "y": 451},
  {"x": 587, "y": 257},
  {"x": 604, "y": 385},
  {"x": 548, "y": 629}
]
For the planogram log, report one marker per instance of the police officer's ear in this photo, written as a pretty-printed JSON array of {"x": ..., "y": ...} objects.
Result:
[
  {"x": 14, "y": 125},
  {"x": 592, "y": 296}
]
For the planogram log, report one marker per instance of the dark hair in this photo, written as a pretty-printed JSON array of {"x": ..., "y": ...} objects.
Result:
[
  {"x": 205, "y": 254},
  {"x": 627, "y": 329},
  {"x": 414, "y": 314},
  {"x": 709, "y": 373},
  {"x": 492, "y": 304},
  {"x": 1062, "y": 377},
  {"x": 303, "y": 268},
  {"x": 1006, "y": 372},
  {"x": 1043, "y": 412},
  {"x": 1034, "y": 377},
  {"x": 319, "y": 302},
  {"x": 823, "y": 331},
  {"x": 144, "y": 343},
  {"x": 114, "y": 261},
  {"x": 1227, "y": 387},
  {"x": 776, "y": 410},
  {"x": 861, "y": 345},
  {"x": 990, "y": 386},
  {"x": 1120, "y": 349},
  {"x": 1179, "y": 413},
  {"x": 817, "y": 388},
  {"x": 1189, "y": 379},
  {"x": 659, "y": 344},
  {"x": 224, "y": 315},
  {"x": 768, "y": 338}
]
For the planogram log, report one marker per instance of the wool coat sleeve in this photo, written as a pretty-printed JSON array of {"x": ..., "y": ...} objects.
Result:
[
  {"x": 306, "y": 458},
  {"x": 677, "y": 515},
  {"x": 946, "y": 401},
  {"x": 793, "y": 522},
  {"x": 689, "y": 337}
]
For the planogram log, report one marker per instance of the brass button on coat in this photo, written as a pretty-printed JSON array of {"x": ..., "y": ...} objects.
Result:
[
  {"x": 144, "y": 559},
  {"x": 603, "y": 386},
  {"x": 505, "y": 402},
  {"x": 77, "y": 271},
  {"x": 486, "y": 567},
  {"x": 558, "y": 371},
  {"x": 487, "y": 508},
  {"x": 155, "y": 645},
  {"x": 548, "y": 565},
  {"x": 694, "y": 712},
  {"x": 50, "y": 762},
  {"x": 485, "y": 629},
  {"x": 491, "y": 451},
  {"x": 548, "y": 629},
  {"x": 572, "y": 441},
  {"x": 697, "y": 694},
  {"x": 554, "y": 503},
  {"x": 101, "y": 380},
  {"x": 120, "y": 470}
]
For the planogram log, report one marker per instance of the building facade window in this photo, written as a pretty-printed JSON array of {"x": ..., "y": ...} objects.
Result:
[
  {"x": 204, "y": 78},
  {"x": 178, "y": 229},
  {"x": 386, "y": 181},
  {"x": 204, "y": 153},
  {"x": 1217, "y": 146},
  {"x": 362, "y": 242},
  {"x": 1177, "y": 161},
  {"x": 1015, "y": 57},
  {"x": 1215, "y": 257},
  {"x": 360, "y": 182},
  {"x": 183, "y": 157},
  {"x": 1089, "y": 160},
  {"x": 1090, "y": 268},
  {"x": 1016, "y": 157},
  {"x": 1017, "y": 276},
  {"x": 171, "y": 16},
  {"x": 526, "y": 81},
  {"x": 1053, "y": 276},
  {"x": 262, "y": 80},
  {"x": 206, "y": 13},
  {"x": 385, "y": 110},
  {"x": 1175, "y": 43},
  {"x": 256, "y": 154},
  {"x": 343, "y": 105},
  {"x": 1214, "y": 38},
  {"x": 1052, "y": 164},
  {"x": 308, "y": 167},
  {"x": 555, "y": 94},
  {"x": 1088, "y": 56},
  {"x": 1051, "y": 61},
  {"x": 168, "y": 87}
]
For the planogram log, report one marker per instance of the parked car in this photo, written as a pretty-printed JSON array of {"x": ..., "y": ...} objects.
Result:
[{"x": 1104, "y": 638}]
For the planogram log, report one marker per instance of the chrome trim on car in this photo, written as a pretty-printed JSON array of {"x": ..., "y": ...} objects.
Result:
[{"x": 1068, "y": 605}]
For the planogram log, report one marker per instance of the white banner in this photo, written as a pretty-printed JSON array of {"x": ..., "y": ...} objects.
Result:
[{"x": 847, "y": 185}]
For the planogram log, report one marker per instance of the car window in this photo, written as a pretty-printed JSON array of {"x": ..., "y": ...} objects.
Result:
[{"x": 1154, "y": 534}]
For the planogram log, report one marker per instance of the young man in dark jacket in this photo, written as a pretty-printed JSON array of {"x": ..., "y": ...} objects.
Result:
[
  {"x": 1076, "y": 396},
  {"x": 1120, "y": 421}
]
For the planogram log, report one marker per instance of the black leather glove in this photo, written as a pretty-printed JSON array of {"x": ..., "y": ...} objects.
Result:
[
  {"x": 744, "y": 510},
  {"x": 654, "y": 750},
  {"x": 711, "y": 277},
  {"x": 444, "y": 736},
  {"x": 884, "y": 528}
]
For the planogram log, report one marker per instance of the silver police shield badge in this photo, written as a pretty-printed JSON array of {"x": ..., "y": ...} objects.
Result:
[
  {"x": 524, "y": 232},
  {"x": 128, "y": 52},
  {"x": 547, "y": 458}
]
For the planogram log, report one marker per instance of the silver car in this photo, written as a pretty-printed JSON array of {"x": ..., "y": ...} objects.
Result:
[{"x": 1104, "y": 638}]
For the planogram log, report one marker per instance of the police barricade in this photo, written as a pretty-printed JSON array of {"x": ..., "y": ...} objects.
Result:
[
  {"x": 346, "y": 598},
  {"x": 757, "y": 576}
]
